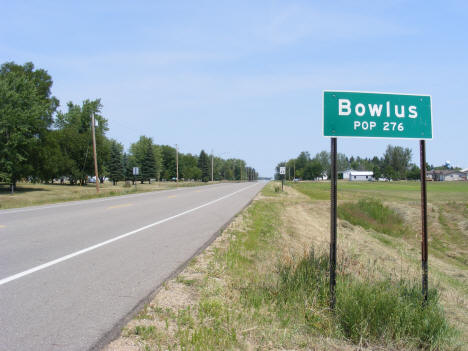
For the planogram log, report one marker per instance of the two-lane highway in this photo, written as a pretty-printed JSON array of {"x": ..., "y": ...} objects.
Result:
[{"x": 71, "y": 273}]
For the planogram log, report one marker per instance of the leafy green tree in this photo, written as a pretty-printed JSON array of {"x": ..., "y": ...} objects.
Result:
[
  {"x": 239, "y": 169},
  {"x": 301, "y": 162},
  {"x": 218, "y": 164},
  {"x": 251, "y": 174},
  {"x": 139, "y": 150},
  {"x": 414, "y": 172},
  {"x": 48, "y": 161},
  {"x": 125, "y": 166},
  {"x": 75, "y": 138},
  {"x": 129, "y": 162},
  {"x": 396, "y": 162},
  {"x": 168, "y": 168},
  {"x": 377, "y": 167},
  {"x": 342, "y": 163},
  {"x": 313, "y": 170},
  {"x": 148, "y": 167},
  {"x": 26, "y": 112},
  {"x": 188, "y": 167},
  {"x": 227, "y": 171},
  {"x": 116, "y": 170},
  {"x": 158, "y": 161},
  {"x": 204, "y": 165},
  {"x": 324, "y": 159}
]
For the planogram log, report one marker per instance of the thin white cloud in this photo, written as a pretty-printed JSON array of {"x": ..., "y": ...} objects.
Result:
[{"x": 293, "y": 23}]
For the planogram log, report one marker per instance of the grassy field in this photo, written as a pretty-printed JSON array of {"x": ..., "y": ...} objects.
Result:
[
  {"x": 28, "y": 194},
  {"x": 405, "y": 191},
  {"x": 263, "y": 284},
  {"x": 398, "y": 212}
]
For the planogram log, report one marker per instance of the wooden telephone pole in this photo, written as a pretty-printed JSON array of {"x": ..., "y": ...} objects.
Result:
[
  {"x": 212, "y": 173},
  {"x": 94, "y": 153},
  {"x": 177, "y": 163}
]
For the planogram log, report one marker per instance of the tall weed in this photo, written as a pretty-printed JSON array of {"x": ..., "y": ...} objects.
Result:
[{"x": 380, "y": 312}]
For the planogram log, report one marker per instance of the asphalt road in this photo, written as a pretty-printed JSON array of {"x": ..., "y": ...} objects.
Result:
[{"x": 72, "y": 273}]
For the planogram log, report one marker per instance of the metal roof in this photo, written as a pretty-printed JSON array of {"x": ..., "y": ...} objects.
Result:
[{"x": 363, "y": 173}]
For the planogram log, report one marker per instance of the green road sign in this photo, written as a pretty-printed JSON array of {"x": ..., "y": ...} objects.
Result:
[{"x": 376, "y": 115}]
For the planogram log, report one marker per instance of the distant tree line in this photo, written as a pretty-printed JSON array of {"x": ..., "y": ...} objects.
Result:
[
  {"x": 39, "y": 143},
  {"x": 395, "y": 164}
]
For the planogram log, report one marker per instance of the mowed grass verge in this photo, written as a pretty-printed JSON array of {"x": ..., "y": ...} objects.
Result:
[
  {"x": 256, "y": 288},
  {"x": 28, "y": 194},
  {"x": 394, "y": 209}
]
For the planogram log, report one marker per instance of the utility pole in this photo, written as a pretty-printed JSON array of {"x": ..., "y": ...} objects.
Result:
[
  {"x": 94, "y": 152},
  {"x": 177, "y": 163},
  {"x": 212, "y": 173},
  {"x": 294, "y": 169}
]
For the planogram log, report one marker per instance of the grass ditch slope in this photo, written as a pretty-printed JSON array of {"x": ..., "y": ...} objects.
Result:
[{"x": 263, "y": 285}]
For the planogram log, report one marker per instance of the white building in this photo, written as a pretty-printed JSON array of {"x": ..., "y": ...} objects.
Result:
[
  {"x": 347, "y": 173},
  {"x": 359, "y": 176},
  {"x": 446, "y": 175}
]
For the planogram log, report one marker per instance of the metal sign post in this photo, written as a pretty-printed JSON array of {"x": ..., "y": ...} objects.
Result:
[
  {"x": 333, "y": 224},
  {"x": 136, "y": 171},
  {"x": 376, "y": 115},
  {"x": 282, "y": 173},
  {"x": 422, "y": 154}
]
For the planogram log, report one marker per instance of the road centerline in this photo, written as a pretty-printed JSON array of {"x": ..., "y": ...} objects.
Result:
[
  {"x": 107, "y": 242},
  {"x": 120, "y": 206}
]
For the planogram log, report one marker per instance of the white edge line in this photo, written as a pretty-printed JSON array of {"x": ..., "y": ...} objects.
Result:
[{"x": 94, "y": 247}]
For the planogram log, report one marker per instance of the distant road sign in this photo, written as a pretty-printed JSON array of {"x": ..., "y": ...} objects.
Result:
[
  {"x": 282, "y": 170},
  {"x": 376, "y": 115},
  {"x": 136, "y": 171}
]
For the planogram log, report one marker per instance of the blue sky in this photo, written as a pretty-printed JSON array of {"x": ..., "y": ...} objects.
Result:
[{"x": 245, "y": 78}]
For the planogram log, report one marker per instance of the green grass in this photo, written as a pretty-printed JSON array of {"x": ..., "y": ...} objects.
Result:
[
  {"x": 183, "y": 280},
  {"x": 373, "y": 214},
  {"x": 363, "y": 206},
  {"x": 146, "y": 332},
  {"x": 272, "y": 190},
  {"x": 389, "y": 312},
  {"x": 381, "y": 312},
  {"x": 389, "y": 191},
  {"x": 314, "y": 190},
  {"x": 280, "y": 303}
]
